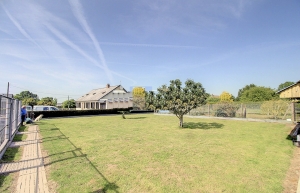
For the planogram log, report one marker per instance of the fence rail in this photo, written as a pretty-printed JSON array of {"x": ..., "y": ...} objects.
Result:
[
  {"x": 260, "y": 110},
  {"x": 10, "y": 119}
]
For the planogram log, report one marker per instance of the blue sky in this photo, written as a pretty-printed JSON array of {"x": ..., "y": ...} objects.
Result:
[{"x": 63, "y": 48}]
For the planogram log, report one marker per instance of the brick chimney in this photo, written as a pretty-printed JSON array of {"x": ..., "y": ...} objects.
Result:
[{"x": 108, "y": 85}]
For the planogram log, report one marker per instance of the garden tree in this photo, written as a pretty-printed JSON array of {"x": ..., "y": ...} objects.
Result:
[
  {"x": 69, "y": 104},
  {"x": 150, "y": 100},
  {"x": 257, "y": 94},
  {"x": 226, "y": 97},
  {"x": 179, "y": 100},
  {"x": 284, "y": 85},
  {"x": 29, "y": 101},
  {"x": 212, "y": 99},
  {"x": 47, "y": 101},
  {"x": 25, "y": 95},
  {"x": 241, "y": 91},
  {"x": 139, "y": 94},
  {"x": 275, "y": 108}
]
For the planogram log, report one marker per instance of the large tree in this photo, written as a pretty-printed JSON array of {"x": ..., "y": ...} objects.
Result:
[
  {"x": 25, "y": 95},
  {"x": 241, "y": 91},
  {"x": 47, "y": 101},
  {"x": 179, "y": 100},
  {"x": 27, "y": 98},
  {"x": 258, "y": 94},
  {"x": 284, "y": 85},
  {"x": 138, "y": 94},
  {"x": 69, "y": 104},
  {"x": 29, "y": 101},
  {"x": 226, "y": 97}
]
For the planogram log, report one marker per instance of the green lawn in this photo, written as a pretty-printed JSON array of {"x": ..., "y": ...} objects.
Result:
[
  {"x": 11, "y": 155},
  {"x": 150, "y": 153}
]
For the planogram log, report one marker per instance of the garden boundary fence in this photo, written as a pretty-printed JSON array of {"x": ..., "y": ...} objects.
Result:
[
  {"x": 259, "y": 110},
  {"x": 10, "y": 119}
]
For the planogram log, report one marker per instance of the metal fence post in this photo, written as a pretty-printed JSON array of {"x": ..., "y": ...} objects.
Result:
[
  {"x": 293, "y": 112},
  {"x": 10, "y": 119},
  {"x": 7, "y": 120}
]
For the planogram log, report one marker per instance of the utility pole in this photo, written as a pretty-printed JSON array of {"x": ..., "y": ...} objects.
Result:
[
  {"x": 68, "y": 103},
  {"x": 7, "y": 89}
]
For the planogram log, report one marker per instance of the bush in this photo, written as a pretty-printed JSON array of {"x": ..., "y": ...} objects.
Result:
[
  {"x": 275, "y": 108},
  {"x": 226, "y": 109}
]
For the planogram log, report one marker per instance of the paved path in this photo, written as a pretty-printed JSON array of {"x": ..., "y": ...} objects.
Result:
[{"x": 32, "y": 176}]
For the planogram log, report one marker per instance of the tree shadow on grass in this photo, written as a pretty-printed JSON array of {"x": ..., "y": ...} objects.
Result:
[
  {"x": 10, "y": 154},
  {"x": 77, "y": 152},
  {"x": 199, "y": 125},
  {"x": 135, "y": 117},
  {"x": 108, "y": 186}
]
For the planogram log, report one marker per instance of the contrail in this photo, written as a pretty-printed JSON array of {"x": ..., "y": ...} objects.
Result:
[
  {"x": 78, "y": 13},
  {"x": 148, "y": 45},
  {"x": 20, "y": 28},
  {"x": 69, "y": 43}
]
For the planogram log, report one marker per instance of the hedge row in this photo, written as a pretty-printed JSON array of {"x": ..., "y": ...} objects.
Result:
[{"x": 65, "y": 113}]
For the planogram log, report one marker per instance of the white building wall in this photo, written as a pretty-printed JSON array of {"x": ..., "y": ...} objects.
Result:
[{"x": 118, "y": 100}]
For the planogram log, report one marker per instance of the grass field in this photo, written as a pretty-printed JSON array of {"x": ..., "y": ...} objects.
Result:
[
  {"x": 150, "y": 153},
  {"x": 11, "y": 155}
]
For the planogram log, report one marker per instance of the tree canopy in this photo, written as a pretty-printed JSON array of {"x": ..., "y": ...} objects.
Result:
[
  {"x": 29, "y": 101},
  {"x": 25, "y": 95},
  {"x": 138, "y": 94},
  {"x": 27, "y": 98},
  {"x": 241, "y": 91},
  {"x": 47, "y": 101},
  {"x": 226, "y": 97},
  {"x": 257, "y": 94},
  {"x": 284, "y": 85},
  {"x": 179, "y": 100},
  {"x": 211, "y": 99},
  {"x": 69, "y": 104}
]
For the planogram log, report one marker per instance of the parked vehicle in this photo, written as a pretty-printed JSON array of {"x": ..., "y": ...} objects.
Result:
[
  {"x": 28, "y": 108},
  {"x": 45, "y": 108}
]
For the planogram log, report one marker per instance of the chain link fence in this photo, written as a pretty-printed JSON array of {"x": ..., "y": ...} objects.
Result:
[
  {"x": 280, "y": 110},
  {"x": 10, "y": 119}
]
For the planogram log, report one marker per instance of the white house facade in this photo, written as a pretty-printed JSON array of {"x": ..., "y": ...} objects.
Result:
[{"x": 110, "y": 97}]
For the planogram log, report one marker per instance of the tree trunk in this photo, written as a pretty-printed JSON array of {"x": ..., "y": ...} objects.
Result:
[{"x": 181, "y": 121}]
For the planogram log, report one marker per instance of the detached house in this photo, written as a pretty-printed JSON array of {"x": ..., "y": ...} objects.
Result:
[{"x": 109, "y": 97}]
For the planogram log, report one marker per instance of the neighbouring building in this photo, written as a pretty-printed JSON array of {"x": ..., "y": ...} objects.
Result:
[
  {"x": 110, "y": 97},
  {"x": 291, "y": 92}
]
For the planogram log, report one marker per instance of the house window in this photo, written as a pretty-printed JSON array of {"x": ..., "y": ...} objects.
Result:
[
  {"x": 130, "y": 98},
  {"x": 109, "y": 100},
  {"x": 78, "y": 105},
  {"x": 126, "y": 99},
  {"x": 121, "y": 99},
  {"x": 116, "y": 99}
]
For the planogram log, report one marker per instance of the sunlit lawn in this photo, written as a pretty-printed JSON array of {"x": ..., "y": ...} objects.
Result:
[
  {"x": 150, "y": 153},
  {"x": 11, "y": 155}
]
